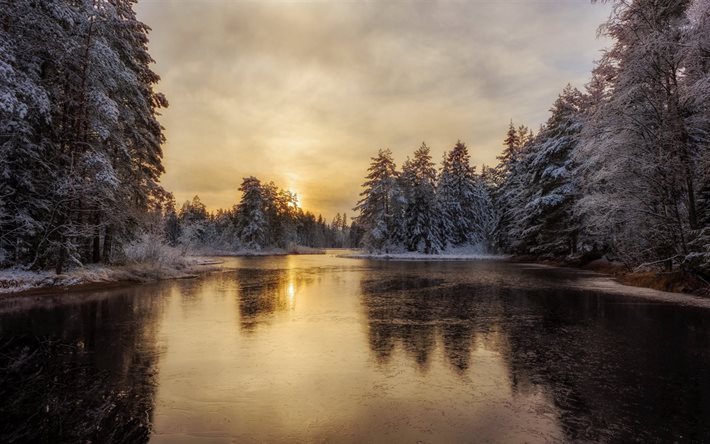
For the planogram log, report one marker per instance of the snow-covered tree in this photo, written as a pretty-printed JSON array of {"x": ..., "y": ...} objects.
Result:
[
  {"x": 32, "y": 34},
  {"x": 463, "y": 199},
  {"x": 515, "y": 140},
  {"x": 549, "y": 221},
  {"x": 81, "y": 144},
  {"x": 509, "y": 193},
  {"x": 639, "y": 162},
  {"x": 171, "y": 224},
  {"x": 251, "y": 218},
  {"x": 380, "y": 206},
  {"x": 422, "y": 227}
]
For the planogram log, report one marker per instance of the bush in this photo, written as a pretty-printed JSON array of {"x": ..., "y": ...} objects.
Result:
[{"x": 150, "y": 248}]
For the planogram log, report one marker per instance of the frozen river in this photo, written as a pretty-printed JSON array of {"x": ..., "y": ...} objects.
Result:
[{"x": 324, "y": 348}]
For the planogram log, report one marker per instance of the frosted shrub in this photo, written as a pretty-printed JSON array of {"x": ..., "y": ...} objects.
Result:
[{"x": 150, "y": 248}]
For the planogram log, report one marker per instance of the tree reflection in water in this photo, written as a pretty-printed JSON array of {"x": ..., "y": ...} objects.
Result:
[
  {"x": 263, "y": 292},
  {"x": 610, "y": 371},
  {"x": 94, "y": 381},
  {"x": 377, "y": 350}
]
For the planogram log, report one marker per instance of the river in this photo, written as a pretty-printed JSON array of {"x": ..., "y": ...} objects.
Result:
[{"x": 326, "y": 348}]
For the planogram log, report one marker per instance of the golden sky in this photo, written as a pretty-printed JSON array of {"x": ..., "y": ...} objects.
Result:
[{"x": 305, "y": 92}]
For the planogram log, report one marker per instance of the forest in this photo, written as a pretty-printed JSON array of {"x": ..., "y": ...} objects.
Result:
[
  {"x": 81, "y": 145},
  {"x": 266, "y": 218},
  {"x": 620, "y": 169}
]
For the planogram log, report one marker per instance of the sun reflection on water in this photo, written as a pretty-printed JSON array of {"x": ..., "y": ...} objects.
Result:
[{"x": 291, "y": 293}]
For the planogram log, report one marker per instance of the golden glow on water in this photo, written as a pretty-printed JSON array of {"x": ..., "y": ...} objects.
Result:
[
  {"x": 242, "y": 360},
  {"x": 321, "y": 348},
  {"x": 291, "y": 290}
]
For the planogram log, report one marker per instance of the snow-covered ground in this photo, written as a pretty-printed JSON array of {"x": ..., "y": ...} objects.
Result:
[
  {"x": 16, "y": 280},
  {"x": 150, "y": 261}
]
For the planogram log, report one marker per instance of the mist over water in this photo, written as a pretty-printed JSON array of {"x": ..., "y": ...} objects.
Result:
[{"x": 326, "y": 348}]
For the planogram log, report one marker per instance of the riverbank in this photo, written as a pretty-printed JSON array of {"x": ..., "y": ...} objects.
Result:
[
  {"x": 94, "y": 277},
  {"x": 678, "y": 281},
  {"x": 670, "y": 282},
  {"x": 153, "y": 263}
]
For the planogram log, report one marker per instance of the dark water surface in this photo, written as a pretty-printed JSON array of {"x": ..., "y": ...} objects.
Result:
[{"x": 321, "y": 348}]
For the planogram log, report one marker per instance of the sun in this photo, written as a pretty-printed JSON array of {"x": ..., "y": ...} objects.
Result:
[{"x": 295, "y": 201}]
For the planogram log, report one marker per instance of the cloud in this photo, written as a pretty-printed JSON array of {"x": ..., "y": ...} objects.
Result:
[{"x": 304, "y": 93}]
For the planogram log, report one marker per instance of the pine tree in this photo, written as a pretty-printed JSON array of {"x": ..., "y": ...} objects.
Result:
[
  {"x": 511, "y": 198},
  {"x": 640, "y": 161},
  {"x": 171, "y": 224},
  {"x": 464, "y": 205},
  {"x": 252, "y": 224},
  {"x": 422, "y": 216},
  {"x": 552, "y": 181},
  {"x": 81, "y": 145},
  {"x": 32, "y": 36},
  {"x": 379, "y": 208}
]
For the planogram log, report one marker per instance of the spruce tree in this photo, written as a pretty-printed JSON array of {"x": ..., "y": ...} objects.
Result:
[
  {"x": 460, "y": 196},
  {"x": 422, "y": 226},
  {"x": 380, "y": 205},
  {"x": 550, "y": 224},
  {"x": 252, "y": 224}
]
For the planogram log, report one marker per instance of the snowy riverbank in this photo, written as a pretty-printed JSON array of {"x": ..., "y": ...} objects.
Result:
[
  {"x": 158, "y": 265},
  {"x": 16, "y": 281}
]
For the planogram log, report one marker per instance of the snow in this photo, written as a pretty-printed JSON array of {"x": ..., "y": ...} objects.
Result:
[
  {"x": 146, "y": 261},
  {"x": 14, "y": 280}
]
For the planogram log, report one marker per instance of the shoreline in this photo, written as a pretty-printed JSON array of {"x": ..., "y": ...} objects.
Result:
[
  {"x": 678, "y": 282},
  {"x": 92, "y": 279},
  {"x": 97, "y": 278},
  {"x": 15, "y": 283}
]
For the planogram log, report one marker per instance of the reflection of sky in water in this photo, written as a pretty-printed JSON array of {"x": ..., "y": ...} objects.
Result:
[
  {"x": 323, "y": 348},
  {"x": 306, "y": 364}
]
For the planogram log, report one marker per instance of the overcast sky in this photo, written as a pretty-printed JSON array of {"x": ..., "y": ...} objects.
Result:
[{"x": 305, "y": 92}]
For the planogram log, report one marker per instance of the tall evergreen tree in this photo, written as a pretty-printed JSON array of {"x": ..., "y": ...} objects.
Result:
[
  {"x": 640, "y": 163},
  {"x": 379, "y": 207},
  {"x": 461, "y": 197},
  {"x": 422, "y": 226},
  {"x": 251, "y": 218},
  {"x": 81, "y": 145},
  {"x": 552, "y": 182}
]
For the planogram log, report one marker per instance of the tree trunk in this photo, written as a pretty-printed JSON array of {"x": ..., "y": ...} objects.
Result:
[
  {"x": 96, "y": 245},
  {"x": 108, "y": 241},
  {"x": 692, "y": 209},
  {"x": 61, "y": 258}
]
